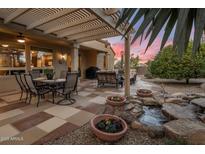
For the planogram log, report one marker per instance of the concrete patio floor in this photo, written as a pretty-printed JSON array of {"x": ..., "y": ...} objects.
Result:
[{"x": 22, "y": 123}]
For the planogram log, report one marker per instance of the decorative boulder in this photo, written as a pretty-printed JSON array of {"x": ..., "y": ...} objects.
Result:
[
  {"x": 202, "y": 86},
  {"x": 202, "y": 95},
  {"x": 156, "y": 131},
  {"x": 129, "y": 106},
  {"x": 174, "y": 111},
  {"x": 149, "y": 101},
  {"x": 179, "y": 95},
  {"x": 191, "y": 131},
  {"x": 175, "y": 100},
  {"x": 197, "y": 137},
  {"x": 136, "y": 111},
  {"x": 199, "y": 101},
  {"x": 136, "y": 125},
  {"x": 202, "y": 118},
  {"x": 127, "y": 117},
  {"x": 136, "y": 101}
]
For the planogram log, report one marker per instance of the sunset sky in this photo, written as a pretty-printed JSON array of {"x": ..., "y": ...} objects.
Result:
[{"x": 139, "y": 49}]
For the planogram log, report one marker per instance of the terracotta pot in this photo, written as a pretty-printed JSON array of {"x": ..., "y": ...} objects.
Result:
[
  {"x": 110, "y": 137},
  {"x": 142, "y": 94},
  {"x": 116, "y": 103}
]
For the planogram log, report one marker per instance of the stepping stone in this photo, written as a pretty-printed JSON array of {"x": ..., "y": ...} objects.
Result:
[
  {"x": 149, "y": 101},
  {"x": 199, "y": 95},
  {"x": 186, "y": 129},
  {"x": 175, "y": 100},
  {"x": 202, "y": 118},
  {"x": 199, "y": 101},
  {"x": 174, "y": 111},
  {"x": 179, "y": 95},
  {"x": 129, "y": 106}
]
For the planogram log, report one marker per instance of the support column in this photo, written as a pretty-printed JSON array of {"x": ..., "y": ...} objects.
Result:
[
  {"x": 100, "y": 60},
  {"x": 74, "y": 57},
  {"x": 127, "y": 66},
  {"x": 106, "y": 61},
  {"x": 28, "y": 57}
]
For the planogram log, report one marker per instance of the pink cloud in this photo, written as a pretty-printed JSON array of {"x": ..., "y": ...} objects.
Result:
[{"x": 139, "y": 49}]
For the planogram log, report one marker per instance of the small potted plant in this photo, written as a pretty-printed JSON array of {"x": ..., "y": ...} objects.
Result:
[
  {"x": 49, "y": 73},
  {"x": 116, "y": 100},
  {"x": 108, "y": 127},
  {"x": 144, "y": 93}
]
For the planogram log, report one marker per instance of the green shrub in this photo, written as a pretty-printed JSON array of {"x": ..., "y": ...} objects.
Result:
[{"x": 170, "y": 65}]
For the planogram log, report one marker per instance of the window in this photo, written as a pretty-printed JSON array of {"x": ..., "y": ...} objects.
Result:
[
  {"x": 41, "y": 59},
  {"x": 12, "y": 58}
]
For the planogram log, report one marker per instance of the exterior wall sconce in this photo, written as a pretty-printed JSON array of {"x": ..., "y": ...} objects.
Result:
[{"x": 62, "y": 58}]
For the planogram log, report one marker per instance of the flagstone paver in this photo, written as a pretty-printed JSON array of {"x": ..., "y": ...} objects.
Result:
[{"x": 32, "y": 125}]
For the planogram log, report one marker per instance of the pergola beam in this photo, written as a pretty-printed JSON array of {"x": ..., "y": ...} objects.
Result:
[
  {"x": 95, "y": 32},
  {"x": 78, "y": 30},
  {"x": 15, "y": 14},
  {"x": 96, "y": 37},
  {"x": 58, "y": 28},
  {"x": 50, "y": 18},
  {"x": 107, "y": 19}
]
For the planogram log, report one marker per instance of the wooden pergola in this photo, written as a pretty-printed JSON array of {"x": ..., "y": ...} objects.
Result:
[{"x": 71, "y": 25}]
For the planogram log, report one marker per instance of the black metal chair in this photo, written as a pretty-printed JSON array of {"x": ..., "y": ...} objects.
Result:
[
  {"x": 33, "y": 89},
  {"x": 35, "y": 73},
  {"x": 69, "y": 86},
  {"x": 21, "y": 85}
]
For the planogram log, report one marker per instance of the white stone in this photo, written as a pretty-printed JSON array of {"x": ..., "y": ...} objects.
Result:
[
  {"x": 199, "y": 101},
  {"x": 129, "y": 106},
  {"x": 175, "y": 100}
]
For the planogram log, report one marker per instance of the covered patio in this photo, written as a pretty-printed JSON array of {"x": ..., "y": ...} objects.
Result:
[
  {"x": 72, "y": 36},
  {"x": 72, "y": 41},
  {"x": 67, "y": 33}
]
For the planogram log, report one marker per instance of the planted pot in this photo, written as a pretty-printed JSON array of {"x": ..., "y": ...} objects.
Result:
[
  {"x": 116, "y": 100},
  {"x": 144, "y": 93},
  {"x": 50, "y": 76},
  {"x": 108, "y": 127}
]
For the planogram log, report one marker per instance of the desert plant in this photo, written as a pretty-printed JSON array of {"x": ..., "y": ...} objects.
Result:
[{"x": 134, "y": 61}]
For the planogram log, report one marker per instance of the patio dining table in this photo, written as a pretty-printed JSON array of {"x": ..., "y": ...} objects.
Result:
[{"x": 52, "y": 84}]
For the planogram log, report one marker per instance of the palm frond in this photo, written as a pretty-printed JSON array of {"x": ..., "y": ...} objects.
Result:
[{"x": 180, "y": 21}]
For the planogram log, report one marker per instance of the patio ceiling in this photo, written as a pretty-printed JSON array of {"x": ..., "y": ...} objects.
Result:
[{"x": 71, "y": 24}]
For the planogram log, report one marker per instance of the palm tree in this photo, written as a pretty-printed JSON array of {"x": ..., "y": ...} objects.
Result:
[{"x": 181, "y": 21}]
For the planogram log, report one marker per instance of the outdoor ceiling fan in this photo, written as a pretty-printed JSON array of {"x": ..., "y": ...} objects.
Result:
[{"x": 20, "y": 38}]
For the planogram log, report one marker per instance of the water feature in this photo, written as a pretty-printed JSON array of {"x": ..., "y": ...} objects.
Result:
[{"x": 152, "y": 116}]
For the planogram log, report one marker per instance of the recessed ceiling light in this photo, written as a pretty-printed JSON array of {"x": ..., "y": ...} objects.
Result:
[{"x": 5, "y": 45}]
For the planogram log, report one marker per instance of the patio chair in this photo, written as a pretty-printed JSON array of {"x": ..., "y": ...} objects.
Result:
[
  {"x": 108, "y": 77},
  {"x": 133, "y": 79},
  {"x": 21, "y": 85},
  {"x": 63, "y": 74},
  {"x": 34, "y": 90},
  {"x": 69, "y": 86},
  {"x": 35, "y": 74},
  {"x": 101, "y": 78}
]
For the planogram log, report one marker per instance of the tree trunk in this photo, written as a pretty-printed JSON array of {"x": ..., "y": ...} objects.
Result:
[{"x": 187, "y": 80}]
